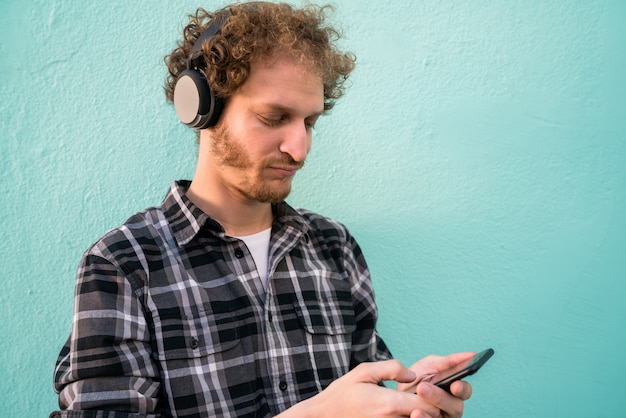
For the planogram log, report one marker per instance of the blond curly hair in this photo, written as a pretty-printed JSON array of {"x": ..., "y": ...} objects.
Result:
[{"x": 257, "y": 30}]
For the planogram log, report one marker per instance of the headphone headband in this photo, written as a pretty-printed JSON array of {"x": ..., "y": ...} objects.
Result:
[{"x": 214, "y": 28}]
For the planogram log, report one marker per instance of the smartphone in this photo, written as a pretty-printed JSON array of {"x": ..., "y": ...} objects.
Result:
[{"x": 445, "y": 378}]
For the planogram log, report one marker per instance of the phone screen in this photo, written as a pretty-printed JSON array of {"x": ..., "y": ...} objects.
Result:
[{"x": 466, "y": 368}]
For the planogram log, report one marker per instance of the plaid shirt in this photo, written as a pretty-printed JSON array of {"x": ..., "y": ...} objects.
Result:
[{"x": 171, "y": 318}]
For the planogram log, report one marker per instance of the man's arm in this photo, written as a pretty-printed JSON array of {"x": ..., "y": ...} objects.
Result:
[{"x": 106, "y": 365}]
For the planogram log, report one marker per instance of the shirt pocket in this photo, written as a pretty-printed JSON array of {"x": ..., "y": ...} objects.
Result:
[
  {"x": 209, "y": 332},
  {"x": 203, "y": 358},
  {"x": 327, "y": 310}
]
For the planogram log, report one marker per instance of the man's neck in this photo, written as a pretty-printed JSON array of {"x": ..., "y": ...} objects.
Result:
[{"x": 238, "y": 216}]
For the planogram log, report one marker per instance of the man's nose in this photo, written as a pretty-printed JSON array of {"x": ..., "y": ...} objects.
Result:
[{"x": 297, "y": 141}]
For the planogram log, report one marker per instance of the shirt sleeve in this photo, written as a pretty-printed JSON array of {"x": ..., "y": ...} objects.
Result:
[{"x": 105, "y": 369}]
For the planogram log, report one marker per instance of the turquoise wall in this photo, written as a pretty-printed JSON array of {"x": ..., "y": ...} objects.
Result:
[{"x": 479, "y": 158}]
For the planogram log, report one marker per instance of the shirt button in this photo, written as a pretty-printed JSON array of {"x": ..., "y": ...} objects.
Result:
[
  {"x": 282, "y": 386},
  {"x": 194, "y": 343},
  {"x": 238, "y": 253}
]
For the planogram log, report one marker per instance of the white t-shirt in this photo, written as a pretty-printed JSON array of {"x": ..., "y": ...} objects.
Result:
[{"x": 259, "y": 246}]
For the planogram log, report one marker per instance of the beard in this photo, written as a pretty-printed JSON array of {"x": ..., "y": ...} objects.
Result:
[{"x": 250, "y": 183}]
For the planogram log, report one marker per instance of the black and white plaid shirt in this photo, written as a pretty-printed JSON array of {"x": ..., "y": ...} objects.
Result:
[{"x": 171, "y": 318}]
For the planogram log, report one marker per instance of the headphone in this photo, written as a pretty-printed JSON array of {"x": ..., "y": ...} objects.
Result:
[{"x": 194, "y": 101}]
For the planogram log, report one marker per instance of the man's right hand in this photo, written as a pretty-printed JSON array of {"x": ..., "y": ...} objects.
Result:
[{"x": 359, "y": 394}]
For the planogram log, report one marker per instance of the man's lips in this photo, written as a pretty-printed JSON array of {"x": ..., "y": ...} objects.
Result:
[{"x": 286, "y": 171}]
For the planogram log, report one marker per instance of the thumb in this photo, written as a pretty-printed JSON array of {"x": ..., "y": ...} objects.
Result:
[{"x": 375, "y": 372}]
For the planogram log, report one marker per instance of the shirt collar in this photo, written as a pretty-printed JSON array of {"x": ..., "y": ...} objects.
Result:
[{"x": 186, "y": 219}]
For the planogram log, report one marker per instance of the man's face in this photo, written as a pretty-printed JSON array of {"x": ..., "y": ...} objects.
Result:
[{"x": 265, "y": 132}]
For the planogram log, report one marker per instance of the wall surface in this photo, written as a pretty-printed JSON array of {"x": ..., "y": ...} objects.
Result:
[{"x": 479, "y": 158}]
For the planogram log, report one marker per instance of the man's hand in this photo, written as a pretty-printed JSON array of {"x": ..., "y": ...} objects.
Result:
[
  {"x": 358, "y": 393},
  {"x": 436, "y": 402}
]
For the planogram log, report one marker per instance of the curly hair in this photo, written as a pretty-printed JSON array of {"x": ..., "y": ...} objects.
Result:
[{"x": 257, "y": 30}]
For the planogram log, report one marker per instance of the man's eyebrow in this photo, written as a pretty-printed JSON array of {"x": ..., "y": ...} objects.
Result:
[{"x": 275, "y": 107}]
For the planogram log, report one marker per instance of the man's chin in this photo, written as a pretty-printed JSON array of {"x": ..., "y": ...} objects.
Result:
[
  {"x": 274, "y": 198},
  {"x": 270, "y": 195}
]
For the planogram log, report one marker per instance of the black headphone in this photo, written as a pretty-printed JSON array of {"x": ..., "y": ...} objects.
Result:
[{"x": 194, "y": 101}]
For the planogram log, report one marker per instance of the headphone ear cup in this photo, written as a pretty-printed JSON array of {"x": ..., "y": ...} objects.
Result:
[{"x": 194, "y": 102}]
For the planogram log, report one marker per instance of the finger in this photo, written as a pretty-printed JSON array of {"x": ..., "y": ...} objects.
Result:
[
  {"x": 375, "y": 372},
  {"x": 433, "y": 364},
  {"x": 423, "y": 414},
  {"x": 461, "y": 389},
  {"x": 452, "y": 360},
  {"x": 441, "y": 399},
  {"x": 426, "y": 410}
]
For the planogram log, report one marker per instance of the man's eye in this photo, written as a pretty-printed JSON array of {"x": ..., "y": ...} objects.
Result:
[
  {"x": 310, "y": 123},
  {"x": 271, "y": 120},
  {"x": 277, "y": 120}
]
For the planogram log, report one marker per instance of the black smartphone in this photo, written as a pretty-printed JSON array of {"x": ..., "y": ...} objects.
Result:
[{"x": 445, "y": 378}]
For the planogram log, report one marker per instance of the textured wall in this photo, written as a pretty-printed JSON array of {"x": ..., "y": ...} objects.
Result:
[{"x": 479, "y": 158}]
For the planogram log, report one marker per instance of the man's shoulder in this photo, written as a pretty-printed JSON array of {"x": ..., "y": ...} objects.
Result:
[
  {"x": 141, "y": 229},
  {"x": 316, "y": 219},
  {"x": 318, "y": 224}
]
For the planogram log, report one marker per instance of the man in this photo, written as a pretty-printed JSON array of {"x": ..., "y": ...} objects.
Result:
[{"x": 225, "y": 301}]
